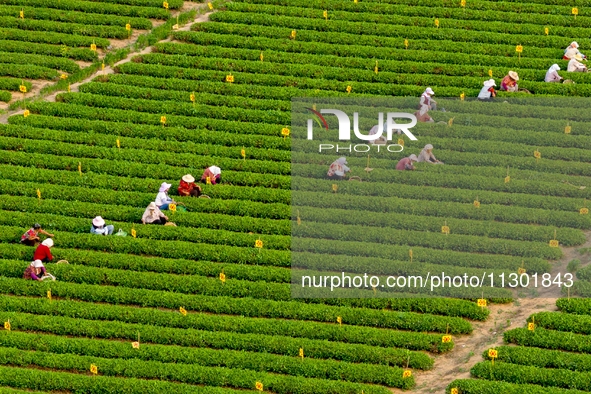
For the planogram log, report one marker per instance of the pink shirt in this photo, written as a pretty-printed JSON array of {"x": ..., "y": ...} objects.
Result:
[{"x": 404, "y": 164}]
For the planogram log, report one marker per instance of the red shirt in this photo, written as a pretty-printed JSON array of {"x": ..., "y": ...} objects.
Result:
[
  {"x": 31, "y": 233},
  {"x": 185, "y": 188},
  {"x": 42, "y": 252}
]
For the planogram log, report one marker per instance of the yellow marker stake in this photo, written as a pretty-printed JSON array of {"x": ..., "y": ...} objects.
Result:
[
  {"x": 261, "y": 57},
  {"x": 243, "y": 153},
  {"x": 546, "y": 30},
  {"x": 93, "y": 369},
  {"x": 285, "y": 132},
  {"x": 133, "y": 233},
  {"x": 325, "y": 15},
  {"x": 69, "y": 87},
  {"x": 229, "y": 78},
  {"x": 26, "y": 113},
  {"x": 410, "y": 254},
  {"x": 163, "y": 120},
  {"x": 258, "y": 244},
  {"x": 165, "y": 5},
  {"x": 335, "y": 187},
  {"x": 339, "y": 320},
  {"x": 481, "y": 302},
  {"x": 462, "y": 96},
  {"x": 21, "y": 14},
  {"x": 406, "y": 44},
  {"x": 567, "y": 129},
  {"x": 80, "y": 168},
  {"x": 454, "y": 391},
  {"x": 118, "y": 143},
  {"x": 301, "y": 353},
  {"x": 575, "y": 12},
  {"x": 406, "y": 374},
  {"x": 490, "y": 73},
  {"x": 210, "y": 6},
  {"x": 223, "y": 277},
  {"x": 349, "y": 88},
  {"x": 258, "y": 386},
  {"x": 183, "y": 311},
  {"x": 39, "y": 194},
  {"x": 376, "y": 68},
  {"x": 463, "y": 3},
  {"x": 437, "y": 23},
  {"x": 400, "y": 142},
  {"x": 7, "y": 325},
  {"x": 292, "y": 35},
  {"x": 49, "y": 294}
]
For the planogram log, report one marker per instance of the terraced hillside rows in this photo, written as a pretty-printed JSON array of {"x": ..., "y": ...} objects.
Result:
[
  {"x": 221, "y": 95},
  {"x": 45, "y": 40}
]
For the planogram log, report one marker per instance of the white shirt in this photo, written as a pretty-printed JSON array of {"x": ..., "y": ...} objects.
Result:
[
  {"x": 574, "y": 65},
  {"x": 484, "y": 93},
  {"x": 162, "y": 198},
  {"x": 552, "y": 76},
  {"x": 572, "y": 52}
]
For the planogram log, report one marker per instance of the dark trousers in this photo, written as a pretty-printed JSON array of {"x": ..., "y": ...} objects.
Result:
[{"x": 159, "y": 221}]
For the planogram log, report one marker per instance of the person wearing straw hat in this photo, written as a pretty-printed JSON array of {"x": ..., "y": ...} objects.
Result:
[
  {"x": 426, "y": 104},
  {"x": 34, "y": 271},
  {"x": 42, "y": 252},
  {"x": 214, "y": 173},
  {"x": 427, "y": 156},
  {"x": 572, "y": 50},
  {"x": 162, "y": 199},
  {"x": 338, "y": 168},
  {"x": 31, "y": 236},
  {"x": 509, "y": 83},
  {"x": 406, "y": 163},
  {"x": 552, "y": 74},
  {"x": 488, "y": 91},
  {"x": 98, "y": 227},
  {"x": 153, "y": 215},
  {"x": 187, "y": 186},
  {"x": 575, "y": 65}
]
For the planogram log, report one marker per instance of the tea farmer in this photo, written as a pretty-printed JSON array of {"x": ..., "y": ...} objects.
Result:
[
  {"x": 162, "y": 199},
  {"x": 153, "y": 215},
  {"x": 575, "y": 65},
  {"x": 31, "y": 236},
  {"x": 572, "y": 51},
  {"x": 187, "y": 186},
  {"x": 425, "y": 105},
  {"x": 488, "y": 91},
  {"x": 509, "y": 83},
  {"x": 552, "y": 74},
  {"x": 34, "y": 271},
  {"x": 214, "y": 173},
  {"x": 338, "y": 168},
  {"x": 406, "y": 163},
  {"x": 427, "y": 156},
  {"x": 42, "y": 252},
  {"x": 98, "y": 227}
]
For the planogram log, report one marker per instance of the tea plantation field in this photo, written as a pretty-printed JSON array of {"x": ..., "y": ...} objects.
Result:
[{"x": 214, "y": 313}]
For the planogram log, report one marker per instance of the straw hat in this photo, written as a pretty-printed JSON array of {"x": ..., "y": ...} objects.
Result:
[
  {"x": 514, "y": 75},
  {"x": 579, "y": 58},
  {"x": 188, "y": 178},
  {"x": 152, "y": 205},
  {"x": 98, "y": 221}
]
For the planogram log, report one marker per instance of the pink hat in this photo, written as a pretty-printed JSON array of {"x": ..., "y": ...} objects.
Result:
[{"x": 98, "y": 221}]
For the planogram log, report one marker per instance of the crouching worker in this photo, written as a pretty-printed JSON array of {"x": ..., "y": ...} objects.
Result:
[
  {"x": 213, "y": 173},
  {"x": 407, "y": 163},
  {"x": 153, "y": 215},
  {"x": 187, "y": 187},
  {"x": 338, "y": 169},
  {"x": 34, "y": 271},
  {"x": 98, "y": 227},
  {"x": 31, "y": 237},
  {"x": 42, "y": 253},
  {"x": 427, "y": 156}
]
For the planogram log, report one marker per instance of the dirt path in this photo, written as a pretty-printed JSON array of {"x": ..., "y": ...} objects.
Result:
[
  {"x": 469, "y": 348},
  {"x": 188, "y": 5}
]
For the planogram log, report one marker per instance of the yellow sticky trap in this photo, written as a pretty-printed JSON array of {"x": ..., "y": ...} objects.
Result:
[
  {"x": 349, "y": 88},
  {"x": 301, "y": 354},
  {"x": 400, "y": 142},
  {"x": 463, "y": 3},
  {"x": 258, "y": 244},
  {"x": 567, "y": 129},
  {"x": 292, "y": 35},
  {"x": 481, "y": 302},
  {"x": 583, "y": 211},
  {"x": 118, "y": 143},
  {"x": 455, "y": 389},
  {"x": 537, "y": 154},
  {"x": 223, "y": 277},
  {"x": 80, "y": 168},
  {"x": 531, "y": 326},
  {"x": 437, "y": 23},
  {"x": 462, "y": 96},
  {"x": 49, "y": 294},
  {"x": 553, "y": 243},
  {"x": 133, "y": 233},
  {"x": 127, "y": 27},
  {"x": 446, "y": 339},
  {"x": 243, "y": 153},
  {"x": 258, "y": 386},
  {"x": 406, "y": 44},
  {"x": 22, "y": 88},
  {"x": 172, "y": 208},
  {"x": 192, "y": 97},
  {"x": 546, "y": 30},
  {"x": 445, "y": 229},
  {"x": 493, "y": 353},
  {"x": 335, "y": 187},
  {"x": 521, "y": 271},
  {"x": 575, "y": 11},
  {"x": 476, "y": 204},
  {"x": 406, "y": 374},
  {"x": 261, "y": 57},
  {"x": 183, "y": 311},
  {"x": 21, "y": 14},
  {"x": 490, "y": 73},
  {"x": 163, "y": 120},
  {"x": 375, "y": 69},
  {"x": 93, "y": 47},
  {"x": 26, "y": 113},
  {"x": 325, "y": 14},
  {"x": 135, "y": 345},
  {"x": 229, "y": 78},
  {"x": 519, "y": 48},
  {"x": 507, "y": 179},
  {"x": 450, "y": 122},
  {"x": 93, "y": 369},
  {"x": 285, "y": 132},
  {"x": 339, "y": 320},
  {"x": 63, "y": 76},
  {"x": 210, "y": 6},
  {"x": 165, "y": 5},
  {"x": 7, "y": 325},
  {"x": 39, "y": 194}
]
